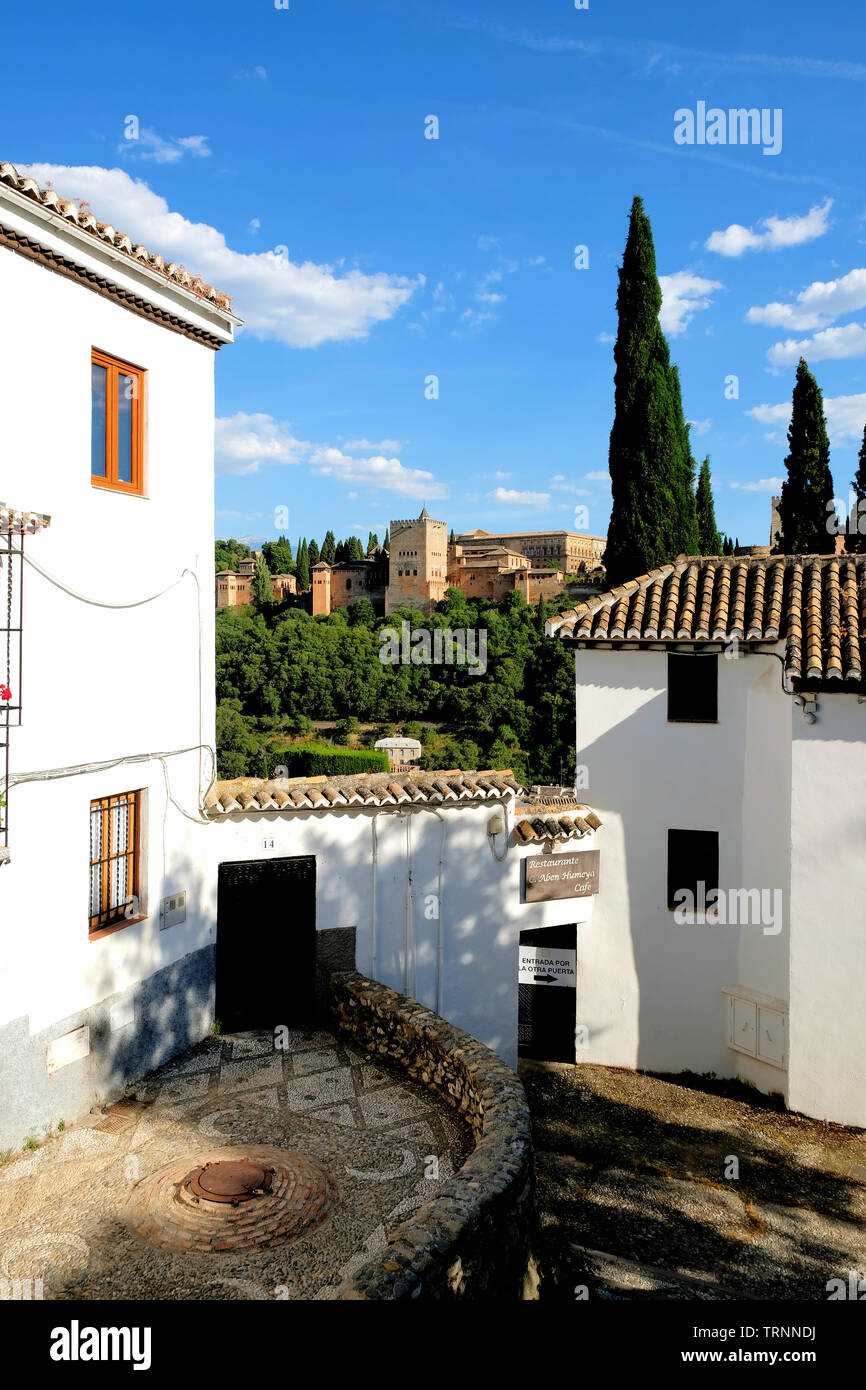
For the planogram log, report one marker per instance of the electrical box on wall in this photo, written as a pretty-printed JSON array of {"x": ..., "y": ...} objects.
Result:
[
  {"x": 172, "y": 910},
  {"x": 758, "y": 1026}
]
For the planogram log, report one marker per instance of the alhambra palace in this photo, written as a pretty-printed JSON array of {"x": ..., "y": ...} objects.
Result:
[{"x": 423, "y": 563}]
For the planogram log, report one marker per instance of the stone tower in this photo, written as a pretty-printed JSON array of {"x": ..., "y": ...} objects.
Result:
[{"x": 418, "y": 567}]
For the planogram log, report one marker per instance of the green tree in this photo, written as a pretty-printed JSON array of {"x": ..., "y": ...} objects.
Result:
[
  {"x": 709, "y": 540},
  {"x": 328, "y": 547},
  {"x": 263, "y": 589},
  {"x": 313, "y": 553},
  {"x": 452, "y": 539},
  {"x": 808, "y": 488},
  {"x": 228, "y": 554},
  {"x": 372, "y": 542},
  {"x": 237, "y": 745},
  {"x": 278, "y": 555},
  {"x": 356, "y": 550},
  {"x": 386, "y": 543},
  {"x": 303, "y": 566},
  {"x": 653, "y": 516},
  {"x": 362, "y": 611},
  {"x": 856, "y": 540}
]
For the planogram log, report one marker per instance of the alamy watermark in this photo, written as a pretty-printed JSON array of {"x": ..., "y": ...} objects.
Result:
[
  {"x": 441, "y": 646},
  {"x": 732, "y": 907},
  {"x": 737, "y": 126}
]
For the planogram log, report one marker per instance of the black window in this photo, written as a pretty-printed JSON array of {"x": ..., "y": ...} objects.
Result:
[
  {"x": 693, "y": 858},
  {"x": 693, "y": 689}
]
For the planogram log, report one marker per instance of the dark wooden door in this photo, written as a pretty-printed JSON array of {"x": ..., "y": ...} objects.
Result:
[
  {"x": 547, "y": 994},
  {"x": 266, "y": 943}
]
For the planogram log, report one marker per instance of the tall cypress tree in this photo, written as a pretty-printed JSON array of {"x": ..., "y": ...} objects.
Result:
[
  {"x": 263, "y": 589},
  {"x": 313, "y": 553},
  {"x": 856, "y": 539},
  {"x": 709, "y": 540},
  {"x": 653, "y": 515},
  {"x": 303, "y": 566},
  {"x": 386, "y": 543},
  {"x": 328, "y": 548},
  {"x": 809, "y": 484}
]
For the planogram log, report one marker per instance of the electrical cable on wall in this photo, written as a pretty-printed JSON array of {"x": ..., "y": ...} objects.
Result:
[{"x": 200, "y": 747}]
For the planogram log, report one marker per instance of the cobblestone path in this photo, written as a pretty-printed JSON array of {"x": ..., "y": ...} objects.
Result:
[{"x": 355, "y": 1148}]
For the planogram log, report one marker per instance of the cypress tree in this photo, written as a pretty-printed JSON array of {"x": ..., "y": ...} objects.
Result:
[
  {"x": 303, "y": 566},
  {"x": 452, "y": 540},
  {"x": 263, "y": 589},
  {"x": 856, "y": 539},
  {"x": 328, "y": 548},
  {"x": 356, "y": 550},
  {"x": 386, "y": 543},
  {"x": 313, "y": 553},
  {"x": 808, "y": 487},
  {"x": 653, "y": 515},
  {"x": 709, "y": 540}
]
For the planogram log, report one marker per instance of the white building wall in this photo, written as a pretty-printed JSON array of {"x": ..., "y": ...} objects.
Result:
[
  {"x": 828, "y": 928},
  {"x": 101, "y": 684},
  {"x": 463, "y": 963},
  {"x": 649, "y": 990}
]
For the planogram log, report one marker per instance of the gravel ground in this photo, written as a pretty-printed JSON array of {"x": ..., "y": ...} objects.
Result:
[
  {"x": 63, "y": 1207},
  {"x": 636, "y": 1200}
]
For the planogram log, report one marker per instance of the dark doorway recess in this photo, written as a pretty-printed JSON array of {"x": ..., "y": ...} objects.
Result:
[
  {"x": 266, "y": 943},
  {"x": 546, "y": 1012}
]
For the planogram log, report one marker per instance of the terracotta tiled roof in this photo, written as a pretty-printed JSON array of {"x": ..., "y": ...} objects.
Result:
[
  {"x": 21, "y": 523},
  {"x": 362, "y": 789},
  {"x": 562, "y": 825},
  {"x": 103, "y": 231},
  {"x": 815, "y": 604}
]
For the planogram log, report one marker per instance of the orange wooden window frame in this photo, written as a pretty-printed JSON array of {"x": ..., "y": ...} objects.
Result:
[
  {"x": 114, "y": 369},
  {"x": 110, "y": 919}
]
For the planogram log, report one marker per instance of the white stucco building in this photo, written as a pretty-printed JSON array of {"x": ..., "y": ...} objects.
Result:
[
  {"x": 721, "y": 726},
  {"x": 107, "y": 370}
]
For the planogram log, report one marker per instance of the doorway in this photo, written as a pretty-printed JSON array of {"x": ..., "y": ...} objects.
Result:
[
  {"x": 547, "y": 994},
  {"x": 266, "y": 943}
]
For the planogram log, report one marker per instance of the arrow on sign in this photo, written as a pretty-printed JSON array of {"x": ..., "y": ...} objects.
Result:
[{"x": 544, "y": 979}]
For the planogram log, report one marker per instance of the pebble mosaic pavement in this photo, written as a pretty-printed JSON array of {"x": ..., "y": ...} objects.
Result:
[{"x": 90, "y": 1212}]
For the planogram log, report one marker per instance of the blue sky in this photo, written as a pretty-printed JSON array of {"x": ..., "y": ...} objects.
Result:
[{"x": 281, "y": 154}]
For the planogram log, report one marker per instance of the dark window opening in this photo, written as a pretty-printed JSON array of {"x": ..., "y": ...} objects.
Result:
[
  {"x": 693, "y": 859},
  {"x": 693, "y": 689}
]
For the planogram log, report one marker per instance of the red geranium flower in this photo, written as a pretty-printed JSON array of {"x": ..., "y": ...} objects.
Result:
[{"x": 5, "y": 692}]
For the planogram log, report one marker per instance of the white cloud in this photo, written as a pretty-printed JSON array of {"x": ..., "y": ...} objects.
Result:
[
  {"x": 300, "y": 305},
  {"x": 817, "y": 305},
  {"x": 536, "y": 260},
  {"x": 846, "y": 416},
  {"x": 149, "y": 145},
  {"x": 683, "y": 294},
  {"x": 778, "y": 232},
  {"x": 512, "y": 498},
  {"x": 601, "y": 475},
  {"x": 847, "y": 341},
  {"x": 607, "y": 337},
  {"x": 254, "y": 224},
  {"x": 487, "y": 243},
  {"x": 383, "y": 446},
  {"x": 771, "y": 485},
  {"x": 699, "y": 426},
  {"x": 242, "y": 443},
  {"x": 376, "y": 472},
  {"x": 560, "y": 483},
  {"x": 497, "y": 474}
]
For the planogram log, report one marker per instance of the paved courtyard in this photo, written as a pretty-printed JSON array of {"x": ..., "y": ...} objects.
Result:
[
  {"x": 350, "y": 1148},
  {"x": 685, "y": 1188}
]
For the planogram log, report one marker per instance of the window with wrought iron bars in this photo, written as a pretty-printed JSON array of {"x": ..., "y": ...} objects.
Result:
[{"x": 114, "y": 861}]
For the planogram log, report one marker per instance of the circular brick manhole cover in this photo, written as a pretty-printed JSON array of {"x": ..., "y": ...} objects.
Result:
[{"x": 231, "y": 1199}]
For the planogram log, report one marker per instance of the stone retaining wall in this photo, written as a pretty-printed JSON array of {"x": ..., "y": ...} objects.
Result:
[{"x": 472, "y": 1239}]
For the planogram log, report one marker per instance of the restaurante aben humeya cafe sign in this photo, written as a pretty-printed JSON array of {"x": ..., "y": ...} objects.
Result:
[{"x": 550, "y": 876}]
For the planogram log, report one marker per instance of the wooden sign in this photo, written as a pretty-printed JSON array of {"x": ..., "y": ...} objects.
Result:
[{"x": 550, "y": 876}]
